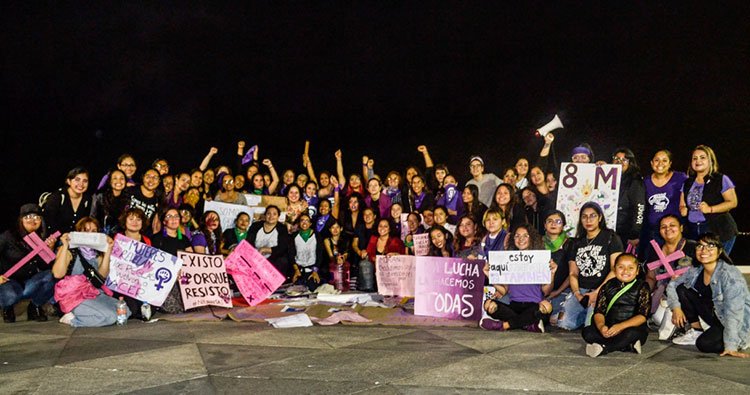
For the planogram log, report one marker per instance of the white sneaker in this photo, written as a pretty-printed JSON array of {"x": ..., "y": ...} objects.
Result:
[
  {"x": 67, "y": 318},
  {"x": 594, "y": 350},
  {"x": 688, "y": 339},
  {"x": 637, "y": 346},
  {"x": 667, "y": 327}
]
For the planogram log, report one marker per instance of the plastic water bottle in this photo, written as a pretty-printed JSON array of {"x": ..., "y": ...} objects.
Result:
[
  {"x": 146, "y": 311},
  {"x": 122, "y": 312}
]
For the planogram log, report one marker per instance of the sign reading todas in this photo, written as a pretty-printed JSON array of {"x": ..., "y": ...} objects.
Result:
[
  {"x": 140, "y": 271},
  {"x": 204, "y": 281},
  {"x": 449, "y": 287},
  {"x": 586, "y": 182},
  {"x": 395, "y": 274},
  {"x": 255, "y": 277},
  {"x": 227, "y": 212},
  {"x": 520, "y": 267}
]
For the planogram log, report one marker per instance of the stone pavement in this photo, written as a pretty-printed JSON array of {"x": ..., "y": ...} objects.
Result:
[{"x": 251, "y": 358}]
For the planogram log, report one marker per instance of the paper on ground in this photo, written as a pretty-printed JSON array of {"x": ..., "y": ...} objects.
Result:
[
  {"x": 293, "y": 321},
  {"x": 345, "y": 298}
]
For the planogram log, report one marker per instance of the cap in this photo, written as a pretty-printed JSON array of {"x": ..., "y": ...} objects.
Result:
[
  {"x": 30, "y": 208},
  {"x": 477, "y": 158}
]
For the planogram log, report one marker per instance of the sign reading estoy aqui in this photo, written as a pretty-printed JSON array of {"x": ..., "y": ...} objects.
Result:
[
  {"x": 204, "y": 281},
  {"x": 520, "y": 267},
  {"x": 395, "y": 274},
  {"x": 255, "y": 277},
  {"x": 140, "y": 271},
  {"x": 449, "y": 287},
  {"x": 586, "y": 182}
]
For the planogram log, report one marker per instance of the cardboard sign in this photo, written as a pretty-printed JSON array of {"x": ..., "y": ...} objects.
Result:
[
  {"x": 252, "y": 199},
  {"x": 422, "y": 244},
  {"x": 404, "y": 226},
  {"x": 395, "y": 274},
  {"x": 227, "y": 212},
  {"x": 520, "y": 267},
  {"x": 204, "y": 281},
  {"x": 586, "y": 182},
  {"x": 255, "y": 277},
  {"x": 449, "y": 287},
  {"x": 97, "y": 241},
  {"x": 140, "y": 271}
]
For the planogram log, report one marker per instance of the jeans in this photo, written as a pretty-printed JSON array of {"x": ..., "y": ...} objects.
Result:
[
  {"x": 100, "y": 311},
  {"x": 575, "y": 315},
  {"x": 39, "y": 288},
  {"x": 557, "y": 301},
  {"x": 696, "y": 229}
]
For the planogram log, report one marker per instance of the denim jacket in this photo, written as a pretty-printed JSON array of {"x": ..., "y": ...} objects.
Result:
[{"x": 730, "y": 297}]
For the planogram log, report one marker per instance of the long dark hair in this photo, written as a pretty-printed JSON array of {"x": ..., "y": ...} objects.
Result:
[
  {"x": 535, "y": 240},
  {"x": 461, "y": 240},
  {"x": 580, "y": 231},
  {"x": 203, "y": 227},
  {"x": 508, "y": 211},
  {"x": 434, "y": 251}
]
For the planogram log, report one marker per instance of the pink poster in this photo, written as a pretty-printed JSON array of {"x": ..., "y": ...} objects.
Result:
[
  {"x": 422, "y": 244},
  {"x": 395, "y": 275},
  {"x": 449, "y": 288},
  {"x": 204, "y": 281},
  {"x": 256, "y": 278}
]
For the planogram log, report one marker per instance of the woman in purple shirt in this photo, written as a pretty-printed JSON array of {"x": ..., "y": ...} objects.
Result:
[
  {"x": 662, "y": 195},
  {"x": 528, "y": 308}
]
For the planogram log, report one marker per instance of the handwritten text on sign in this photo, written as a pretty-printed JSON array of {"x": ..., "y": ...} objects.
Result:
[
  {"x": 422, "y": 244},
  {"x": 204, "y": 281},
  {"x": 587, "y": 182},
  {"x": 449, "y": 287},
  {"x": 227, "y": 212},
  {"x": 140, "y": 271},
  {"x": 519, "y": 267},
  {"x": 255, "y": 277},
  {"x": 395, "y": 274}
]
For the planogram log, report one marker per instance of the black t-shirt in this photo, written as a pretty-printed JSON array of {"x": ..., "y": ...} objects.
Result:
[
  {"x": 561, "y": 258},
  {"x": 169, "y": 244},
  {"x": 592, "y": 257},
  {"x": 704, "y": 291},
  {"x": 149, "y": 205}
]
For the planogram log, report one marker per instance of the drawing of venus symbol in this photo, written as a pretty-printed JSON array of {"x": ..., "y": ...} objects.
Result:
[{"x": 163, "y": 275}]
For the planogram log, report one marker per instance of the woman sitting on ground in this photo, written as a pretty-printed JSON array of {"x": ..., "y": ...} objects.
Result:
[
  {"x": 441, "y": 242},
  {"x": 233, "y": 236}
]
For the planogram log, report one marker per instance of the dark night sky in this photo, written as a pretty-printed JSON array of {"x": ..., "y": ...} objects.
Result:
[{"x": 369, "y": 77}]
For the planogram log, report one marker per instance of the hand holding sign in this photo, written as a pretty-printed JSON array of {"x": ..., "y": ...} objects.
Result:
[{"x": 38, "y": 247}]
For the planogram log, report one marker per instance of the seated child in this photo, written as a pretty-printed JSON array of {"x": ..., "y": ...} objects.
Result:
[{"x": 622, "y": 306}]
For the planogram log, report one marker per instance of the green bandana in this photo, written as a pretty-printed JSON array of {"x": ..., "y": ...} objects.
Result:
[
  {"x": 305, "y": 234},
  {"x": 554, "y": 245}
]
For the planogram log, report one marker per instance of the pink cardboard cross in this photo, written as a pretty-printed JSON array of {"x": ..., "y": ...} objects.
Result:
[
  {"x": 38, "y": 247},
  {"x": 664, "y": 261}
]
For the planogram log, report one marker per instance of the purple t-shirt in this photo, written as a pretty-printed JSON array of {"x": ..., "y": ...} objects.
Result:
[
  {"x": 525, "y": 293},
  {"x": 664, "y": 200},
  {"x": 694, "y": 197}
]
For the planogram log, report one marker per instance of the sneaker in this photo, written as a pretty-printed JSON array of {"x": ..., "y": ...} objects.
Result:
[
  {"x": 637, "y": 347},
  {"x": 67, "y": 318},
  {"x": 689, "y": 338},
  {"x": 667, "y": 329},
  {"x": 594, "y": 350},
  {"x": 491, "y": 324},
  {"x": 536, "y": 328}
]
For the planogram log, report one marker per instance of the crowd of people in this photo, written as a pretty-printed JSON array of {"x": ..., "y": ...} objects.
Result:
[{"x": 333, "y": 226}]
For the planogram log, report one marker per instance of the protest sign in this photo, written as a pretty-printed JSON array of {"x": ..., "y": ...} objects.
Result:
[
  {"x": 586, "y": 182},
  {"x": 395, "y": 274},
  {"x": 449, "y": 287},
  {"x": 204, "y": 281},
  {"x": 252, "y": 199},
  {"x": 227, "y": 212},
  {"x": 422, "y": 244},
  {"x": 489, "y": 292},
  {"x": 95, "y": 240},
  {"x": 38, "y": 247},
  {"x": 404, "y": 226},
  {"x": 255, "y": 277},
  {"x": 520, "y": 267},
  {"x": 140, "y": 271}
]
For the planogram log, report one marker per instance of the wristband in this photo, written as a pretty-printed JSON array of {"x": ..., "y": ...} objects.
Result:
[
  {"x": 337, "y": 189},
  {"x": 315, "y": 269}
]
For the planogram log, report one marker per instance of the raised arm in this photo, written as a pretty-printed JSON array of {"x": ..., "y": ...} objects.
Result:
[
  {"x": 274, "y": 176},
  {"x": 336, "y": 198},
  {"x": 240, "y": 155},
  {"x": 104, "y": 262},
  {"x": 308, "y": 165},
  {"x": 339, "y": 166},
  {"x": 207, "y": 159},
  {"x": 63, "y": 258},
  {"x": 426, "y": 155}
]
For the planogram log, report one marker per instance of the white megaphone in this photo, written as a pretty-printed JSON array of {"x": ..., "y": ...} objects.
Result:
[{"x": 550, "y": 126}]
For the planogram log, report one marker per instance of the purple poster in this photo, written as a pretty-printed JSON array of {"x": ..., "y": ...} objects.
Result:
[{"x": 449, "y": 287}]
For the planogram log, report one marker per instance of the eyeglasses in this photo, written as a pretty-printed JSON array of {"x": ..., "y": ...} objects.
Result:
[
  {"x": 127, "y": 164},
  {"x": 474, "y": 166},
  {"x": 522, "y": 236},
  {"x": 708, "y": 247},
  {"x": 620, "y": 160},
  {"x": 31, "y": 217},
  {"x": 590, "y": 216},
  {"x": 227, "y": 182},
  {"x": 554, "y": 221},
  {"x": 160, "y": 165},
  {"x": 170, "y": 216},
  {"x": 151, "y": 177}
]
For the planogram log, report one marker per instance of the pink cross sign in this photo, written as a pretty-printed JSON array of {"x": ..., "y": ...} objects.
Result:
[
  {"x": 664, "y": 261},
  {"x": 38, "y": 247}
]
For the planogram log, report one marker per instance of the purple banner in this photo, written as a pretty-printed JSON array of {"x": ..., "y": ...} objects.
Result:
[{"x": 449, "y": 288}]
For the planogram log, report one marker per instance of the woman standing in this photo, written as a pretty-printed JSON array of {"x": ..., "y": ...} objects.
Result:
[
  {"x": 468, "y": 240},
  {"x": 506, "y": 201},
  {"x": 34, "y": 279},
  {"x": 497, "y": 237},
  {"x": 662, "y": 194},
  {"x": 716, "y": 292},
  {"x": 631, "y": 204},
  {"x": 472, "y": 205},
  {"x": 420, "y": 198},
  {"x": 227, "y": 194},
  {"x": 707, "y": 197},
  {"x": 107, "y": 206},
  {"x": 64, "y": 208}
]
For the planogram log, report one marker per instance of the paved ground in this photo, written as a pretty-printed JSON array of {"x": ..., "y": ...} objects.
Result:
[{"x": 230, "y": 357}]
